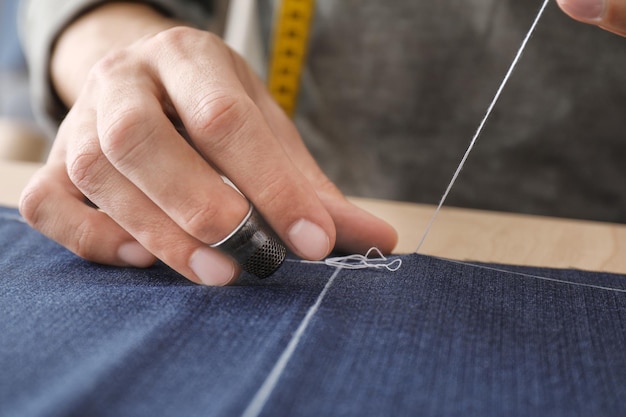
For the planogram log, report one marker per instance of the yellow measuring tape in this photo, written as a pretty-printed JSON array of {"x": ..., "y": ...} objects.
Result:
[{"x": 289, "y": 47}]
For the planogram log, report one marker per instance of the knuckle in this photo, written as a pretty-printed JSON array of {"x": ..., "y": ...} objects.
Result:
[
  {"x": 200, "y": 221},
  {"x": 108, "y": 66},
  {"x": 276, "y": 190},
  {"x": 113, "y": 76},
  {"x": 177, "y": 38},
  {"x": 84, "y": 242},
  {"x": 219, "y": 115},
  {"x": 84, "y": 169},
  {"x": 31, "y": 201},
  {"x": 174, "y": 36},
  {"x": 120, "y": 137},
  {"x": 324, "y": 186}
]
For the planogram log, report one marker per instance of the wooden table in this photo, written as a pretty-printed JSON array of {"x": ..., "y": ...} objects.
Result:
[{"x": 461, "y": 233}]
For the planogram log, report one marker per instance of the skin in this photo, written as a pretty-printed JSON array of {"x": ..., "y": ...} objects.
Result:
[
  {"x": 138, "y": 77},
  {"x": 606, "y": 14},
  {"x": 157, "y": 112}
]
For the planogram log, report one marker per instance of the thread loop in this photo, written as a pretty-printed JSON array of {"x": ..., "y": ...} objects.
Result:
[{"x": 372, "y": 259}]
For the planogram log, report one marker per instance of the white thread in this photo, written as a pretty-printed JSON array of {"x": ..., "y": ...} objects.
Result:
[
  {"x": 260, "y": 398},
  {"x": 482, "y": 123},
  {"x": 560, "y": 281},
  {"x": 357, "y": 261}
]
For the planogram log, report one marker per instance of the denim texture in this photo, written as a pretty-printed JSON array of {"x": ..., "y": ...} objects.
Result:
[{"x": 435, "y": 338}]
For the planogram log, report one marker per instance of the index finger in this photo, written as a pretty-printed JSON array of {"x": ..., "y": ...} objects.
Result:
[{"x": 228, "y": 128}]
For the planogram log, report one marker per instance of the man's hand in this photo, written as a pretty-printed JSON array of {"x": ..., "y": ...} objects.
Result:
[
  {"x": 607, "y": 14},
  {"x": 158, "y": 113}
]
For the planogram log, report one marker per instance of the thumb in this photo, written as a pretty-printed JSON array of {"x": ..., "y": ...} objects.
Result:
[{"x": 607, "y": 14}]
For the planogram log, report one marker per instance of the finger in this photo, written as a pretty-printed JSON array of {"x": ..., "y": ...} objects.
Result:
[
  {"x": 131, "y": 209},
  {"x": 51, "y": 204},
  {"x": 614, "y": 18},
  {"x": 608, "y": 14},
  {"x": 357, "y": 230},
  {"x": 142, "y": 144},
  {"x": 230, "y": 131}
]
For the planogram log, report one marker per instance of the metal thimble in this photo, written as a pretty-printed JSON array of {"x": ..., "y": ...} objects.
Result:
[{"x": 253, "y": 246}]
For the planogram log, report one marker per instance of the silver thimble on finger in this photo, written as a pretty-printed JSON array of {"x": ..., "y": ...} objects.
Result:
[{"x": 254, "y": 246}]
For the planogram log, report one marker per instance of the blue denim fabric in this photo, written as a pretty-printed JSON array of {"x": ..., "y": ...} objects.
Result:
[{"x": 435, "y": 338}]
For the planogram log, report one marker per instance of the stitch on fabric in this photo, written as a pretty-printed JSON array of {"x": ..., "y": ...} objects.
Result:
[
  {"x": 521, "y": 274},
  {"x": 341, "y": 262},
  {"x": 363, "y": 261},
  {"x": 260, "y": 398},
  {"x": 356, "y": 261}
]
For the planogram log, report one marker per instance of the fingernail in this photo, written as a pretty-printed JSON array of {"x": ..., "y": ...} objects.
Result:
[
  {"x": 134, "y": 254},
  {"x": 310, "y": 240},
  {"x": 211, "y": 267},
  {"x": 584, "y": 9}
]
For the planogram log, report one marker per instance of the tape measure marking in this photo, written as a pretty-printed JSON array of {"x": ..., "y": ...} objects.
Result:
[{"x": 289, "y": 47}]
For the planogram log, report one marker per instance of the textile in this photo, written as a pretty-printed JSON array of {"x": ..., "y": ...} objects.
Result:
[{"x": 435, "y": 338}]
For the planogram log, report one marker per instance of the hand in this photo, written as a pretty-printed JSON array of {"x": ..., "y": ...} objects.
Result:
[
  {"x": 607, "y": 14},
  {"x": 151, "y": 129}
]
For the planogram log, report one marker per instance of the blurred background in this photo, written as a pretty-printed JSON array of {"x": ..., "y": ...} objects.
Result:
[{"x": 20, "y": 137}]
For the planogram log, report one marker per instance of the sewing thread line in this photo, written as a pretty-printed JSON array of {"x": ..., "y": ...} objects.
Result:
[
  {"x": 482, "y": 123},
  {"x": 539, "y": 277},
  {"x": 262, "y": 395},
  {"x": 373, "y": 259},
  {"x": 362, "y": 261}
]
